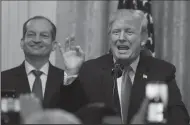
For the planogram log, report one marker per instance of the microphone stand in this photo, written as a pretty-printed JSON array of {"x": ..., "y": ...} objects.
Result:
[{"x": 116, "y": 73}]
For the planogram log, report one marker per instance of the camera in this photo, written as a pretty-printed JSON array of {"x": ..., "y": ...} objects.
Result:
[{"x": 10, "y": 107}]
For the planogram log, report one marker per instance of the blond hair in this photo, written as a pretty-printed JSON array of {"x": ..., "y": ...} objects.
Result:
[{"x": 123, "y": 13}]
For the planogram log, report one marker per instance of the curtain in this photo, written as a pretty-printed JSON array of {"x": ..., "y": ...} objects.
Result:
[
  {"x": 11, "y": 32},
  {"x": 87, "y": 21},
  {"x": 172, "y": 40}
]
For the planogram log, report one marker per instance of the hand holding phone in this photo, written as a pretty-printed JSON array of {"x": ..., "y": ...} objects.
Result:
[
  {"x": 157, "y": 93},
  {"x": 10, "y": 107},
  {"x": 15, "y": 109}
]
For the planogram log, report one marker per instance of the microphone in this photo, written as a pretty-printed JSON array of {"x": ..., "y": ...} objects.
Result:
[
  {"x": 117, "y": 70},
  {"x": 116, "y": 73}
]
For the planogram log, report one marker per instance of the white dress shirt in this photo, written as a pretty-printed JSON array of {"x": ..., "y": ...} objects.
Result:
[
  {"x": 45, "y": 68},
  {"x": 131, "y": 75}
]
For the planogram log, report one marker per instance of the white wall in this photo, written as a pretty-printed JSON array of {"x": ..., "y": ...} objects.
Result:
[{"x": 14, "y": 14}]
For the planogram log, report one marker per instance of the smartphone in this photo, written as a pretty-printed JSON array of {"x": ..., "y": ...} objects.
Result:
[
  {"x": 10, "y": 107},
  {"x": 157, "y": 93}
]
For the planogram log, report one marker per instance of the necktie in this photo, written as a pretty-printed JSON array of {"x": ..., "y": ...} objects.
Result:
[
  {"x": 126, "y": 86},
  {"x": 37, "y": 87}
]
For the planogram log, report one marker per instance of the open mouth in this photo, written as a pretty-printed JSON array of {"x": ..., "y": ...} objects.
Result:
[
  {"x": 123, "y": 47},
  {"x": 36, "y": 46}
]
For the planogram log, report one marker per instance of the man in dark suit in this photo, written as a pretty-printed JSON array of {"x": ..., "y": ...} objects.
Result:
[
  {"x": 36, "y": 74},
  {"x": 127, "y": 35}
]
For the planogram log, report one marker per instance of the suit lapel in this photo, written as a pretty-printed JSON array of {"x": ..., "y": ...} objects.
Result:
[
  {"x": 52, "y": 86},
  {"x": 139, "y": 84},
  {"x": 107, "y": 80},
  {"x": 21, "y": 81},
  {"x": 138, "y": 88}
]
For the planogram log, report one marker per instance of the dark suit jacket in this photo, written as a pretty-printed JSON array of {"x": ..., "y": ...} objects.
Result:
[
  {"x": 56, "y": 94},
  {"x": 97, "y": 80}
]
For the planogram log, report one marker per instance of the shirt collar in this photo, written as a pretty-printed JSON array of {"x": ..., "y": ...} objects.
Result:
[
  {"x": 134, "y": 64},
  {"x": 29, "y": 68}
]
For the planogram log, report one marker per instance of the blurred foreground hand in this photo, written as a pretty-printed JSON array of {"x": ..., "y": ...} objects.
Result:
[
  {"x": 29, "y": 104},
  {"x": 112, "y": 120},
  {"x": 140, "y": 116}
]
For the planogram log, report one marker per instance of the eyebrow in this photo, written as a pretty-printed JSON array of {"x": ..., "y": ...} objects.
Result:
[
  {"x": 31, "y": 31},
  {"x": 129, "y": 28},
  {"x": 45, "y": 33}
]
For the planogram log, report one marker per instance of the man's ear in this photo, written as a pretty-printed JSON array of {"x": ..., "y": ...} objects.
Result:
[
  {"x": 22, "y": 43},
  {"x": 54, "y": 45},
  {"x": 144, "y": 38}
]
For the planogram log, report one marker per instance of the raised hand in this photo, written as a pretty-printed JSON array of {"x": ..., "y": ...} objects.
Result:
[{"x": 73, "y": 56}]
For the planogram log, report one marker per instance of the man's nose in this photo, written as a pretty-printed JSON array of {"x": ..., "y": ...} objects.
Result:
[
  {"x": 122, "y": 36},
  {"x": 37, "y": 39}
]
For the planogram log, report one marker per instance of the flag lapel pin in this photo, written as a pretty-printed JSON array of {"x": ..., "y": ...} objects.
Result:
[{"x": 145, "y": 76}]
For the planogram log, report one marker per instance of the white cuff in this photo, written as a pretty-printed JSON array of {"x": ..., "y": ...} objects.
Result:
[{"x": 68, "y": 79}]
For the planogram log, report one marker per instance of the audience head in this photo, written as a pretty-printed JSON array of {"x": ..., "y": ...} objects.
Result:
[
  {"x": 97, "y": 113},
  {"x": 52, "y": 116}
]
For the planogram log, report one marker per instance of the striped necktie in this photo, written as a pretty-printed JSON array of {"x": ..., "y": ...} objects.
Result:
[{"x": 37, "y": 86}]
